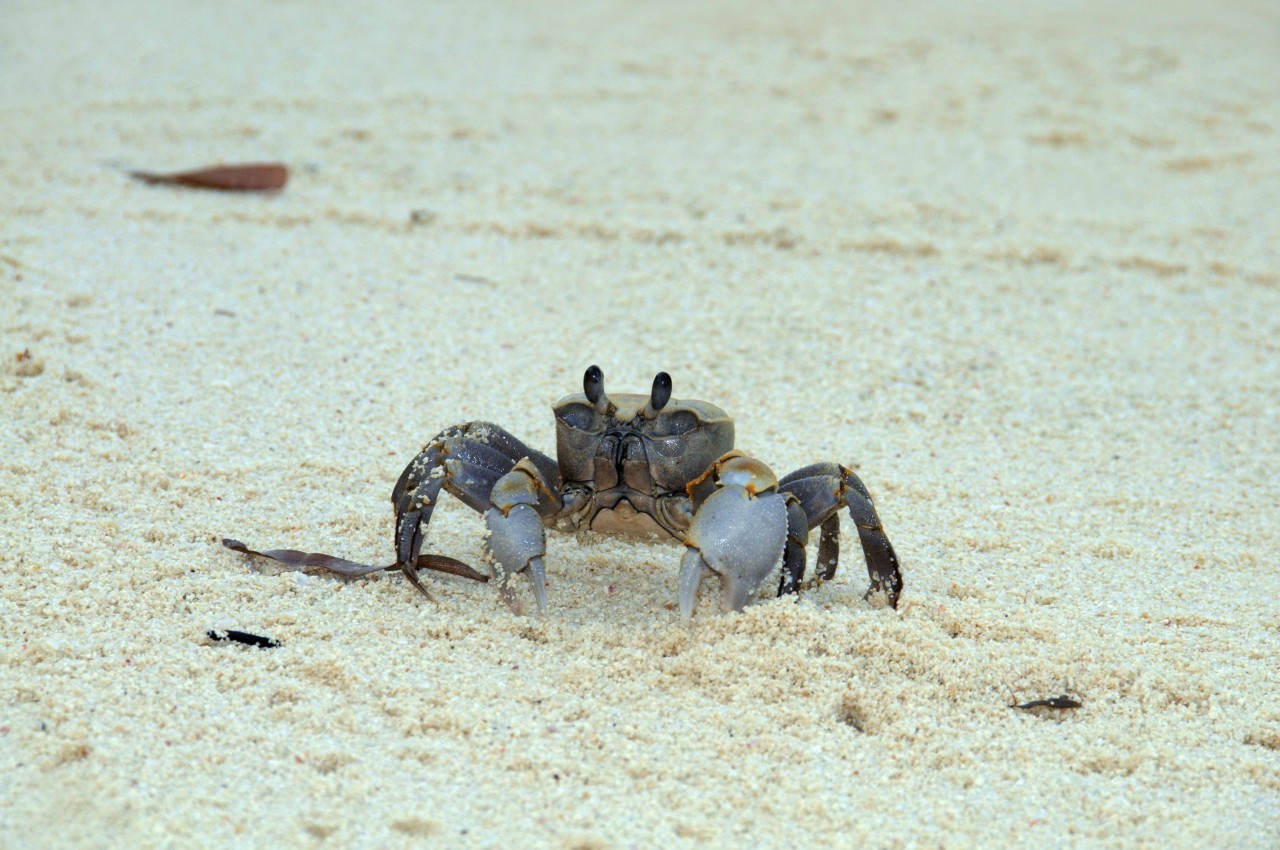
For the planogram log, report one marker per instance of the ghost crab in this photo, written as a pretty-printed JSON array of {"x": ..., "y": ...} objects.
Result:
[{"x": 636, "y": 465}]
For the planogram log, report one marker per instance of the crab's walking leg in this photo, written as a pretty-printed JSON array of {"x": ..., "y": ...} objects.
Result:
[
  {"x": 822, "y": 489},
  {"x": 739, "y": 532},
  {"x": 793, "y": 554},
  {"x": 473, "y": 462},
  {"x": 467, "y": 460}
]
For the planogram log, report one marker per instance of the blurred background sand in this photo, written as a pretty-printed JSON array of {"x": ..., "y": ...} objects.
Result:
[{"x": 1017, "y": 265}]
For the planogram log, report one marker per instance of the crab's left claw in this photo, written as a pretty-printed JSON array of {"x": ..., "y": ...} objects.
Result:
[
  {"x": 517, "y": 538},
  {"x": 739, "y": 532}
]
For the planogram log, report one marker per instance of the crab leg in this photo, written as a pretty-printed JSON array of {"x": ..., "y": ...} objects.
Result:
[
  {"x": 793, "y": 555},
  {"x": 468, "y": 461},
  {"x": 739, "y": 533},
  {"x": 821, "y": 490}
]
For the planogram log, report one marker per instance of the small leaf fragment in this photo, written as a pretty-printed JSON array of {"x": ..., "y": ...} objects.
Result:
[
  {"x": 246, "y": 177},
  {"x": 302, "y": 560}
]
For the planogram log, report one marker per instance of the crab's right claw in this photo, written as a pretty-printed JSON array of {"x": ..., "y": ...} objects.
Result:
[
  {"x": 738, "y": 533},
  {"x": 517, "y": 537}
]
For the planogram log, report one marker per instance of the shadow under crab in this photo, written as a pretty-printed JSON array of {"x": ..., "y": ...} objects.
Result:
[{"x": 634, "y": 465}]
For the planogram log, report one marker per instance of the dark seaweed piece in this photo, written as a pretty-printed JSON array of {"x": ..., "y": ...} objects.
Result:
[
  {"x": 1063, "y": 701},
  {"x": 243, "y": 637},
  {"x": 248, "y": 177}
]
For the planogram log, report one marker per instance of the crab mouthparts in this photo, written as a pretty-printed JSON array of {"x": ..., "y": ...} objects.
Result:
[
  {"x": 624, "y": 518},
  {"x": 622, "y": 446}
]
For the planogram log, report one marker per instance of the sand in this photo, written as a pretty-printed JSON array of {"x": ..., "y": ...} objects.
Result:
[{"x": 1017, "y": 267}]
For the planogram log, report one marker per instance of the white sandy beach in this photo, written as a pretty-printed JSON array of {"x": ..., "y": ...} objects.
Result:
[{"x": 1018, "y": 266}]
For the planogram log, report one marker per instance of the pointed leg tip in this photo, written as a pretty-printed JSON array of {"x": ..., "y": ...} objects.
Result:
[
  {"x": 538, "y": 581},
  {"x": 890, "y": 595},
  {"x": 411, "y": 573},
  {"x": 692, "y": 571}
]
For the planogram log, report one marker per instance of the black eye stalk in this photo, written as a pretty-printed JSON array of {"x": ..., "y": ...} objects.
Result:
[
  {"x": 593, "y": 386},
  {"x": 660, "y": 396}
]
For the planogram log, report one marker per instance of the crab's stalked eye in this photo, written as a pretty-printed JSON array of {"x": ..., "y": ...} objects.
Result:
[
  {"x": 580, "y": 417},
  {"x": 659, "y": 397},
  {"x": 593, "y": 385},
  {"x": 661, "y": 391}
]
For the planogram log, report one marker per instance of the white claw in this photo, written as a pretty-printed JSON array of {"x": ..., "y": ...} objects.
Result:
[
  {"x": 740, "y": 538},
  {"x": 538, "y": 579},
  {"x": 508, "y": 596},
  {"x": 738, "y": 589},
  {"x": 516, "y": 545},
  {"x": 692, "y": 571}
]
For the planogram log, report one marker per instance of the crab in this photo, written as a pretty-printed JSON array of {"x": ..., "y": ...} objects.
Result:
[{"x": 640, "y": 466}]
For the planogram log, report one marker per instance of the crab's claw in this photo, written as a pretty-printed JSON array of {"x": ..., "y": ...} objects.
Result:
[
  {"x": 738, "y": 533},
  {"x": 517, "y": 537},
  {"x": 516, "y": 545}
]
